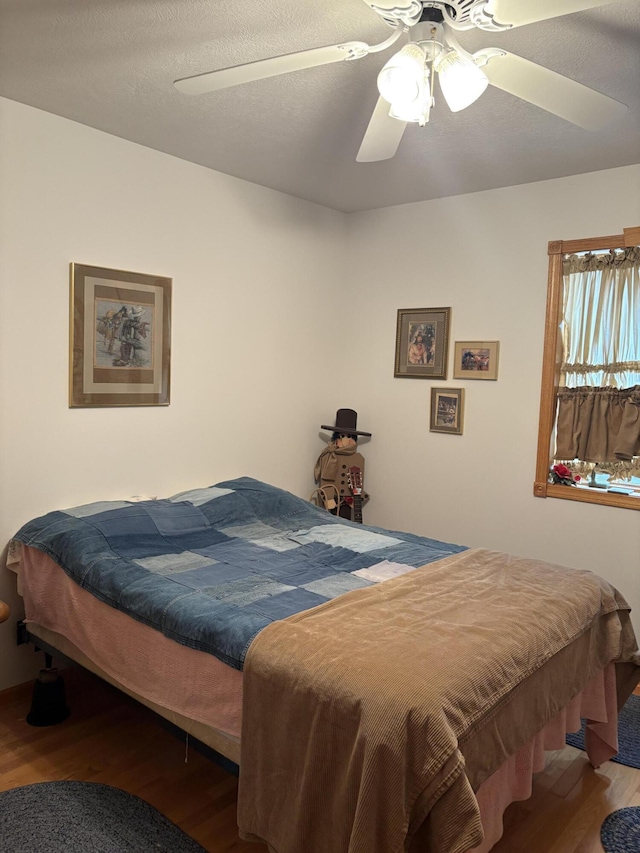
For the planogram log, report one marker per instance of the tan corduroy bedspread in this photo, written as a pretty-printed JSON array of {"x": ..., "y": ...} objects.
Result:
[{"x": 379, "y": 713}]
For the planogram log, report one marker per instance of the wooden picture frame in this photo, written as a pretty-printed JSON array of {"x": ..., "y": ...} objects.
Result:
[
  {"x": 447, "y": 410},
  {"x": 476, "y": 359},
  {"x": 120, "y": 338},
  {"x": 422, "y": 343}
]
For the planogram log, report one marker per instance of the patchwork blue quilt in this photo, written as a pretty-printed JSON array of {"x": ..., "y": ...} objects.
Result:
[{"x": 211, "y": 567}]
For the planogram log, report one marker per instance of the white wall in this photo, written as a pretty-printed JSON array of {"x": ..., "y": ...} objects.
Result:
[
  {"x": 256, "y": 362},
  {"x": 485, "y": 256},
  {"x": 256, "y": 277}
]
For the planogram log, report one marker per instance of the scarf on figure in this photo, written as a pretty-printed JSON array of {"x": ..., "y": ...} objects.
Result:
[{"x": 327, "y": 465}]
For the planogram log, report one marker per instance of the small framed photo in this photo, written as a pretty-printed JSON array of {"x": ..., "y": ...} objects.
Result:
[
  {"x": 476, "y": 359},
  {"x": 447, "y": 410},
  {"x": 120, "y": 338},
  {"x": 422, "y": 343}
]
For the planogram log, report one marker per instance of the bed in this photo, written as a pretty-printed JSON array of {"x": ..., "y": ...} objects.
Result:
[{"x": 380, "y": 691}]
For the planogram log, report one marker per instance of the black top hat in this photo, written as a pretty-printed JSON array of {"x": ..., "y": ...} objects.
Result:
[{"x": 346, "y": 420}]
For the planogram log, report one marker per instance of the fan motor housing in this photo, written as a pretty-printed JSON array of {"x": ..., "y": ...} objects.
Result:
[{"x": 409, "y": 12}]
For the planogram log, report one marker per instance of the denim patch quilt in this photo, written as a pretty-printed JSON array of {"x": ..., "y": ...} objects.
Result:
[{"x": 210, "y": 568}]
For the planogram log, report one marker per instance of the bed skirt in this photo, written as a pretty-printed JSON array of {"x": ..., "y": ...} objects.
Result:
[{"x": 513, "y": 781}]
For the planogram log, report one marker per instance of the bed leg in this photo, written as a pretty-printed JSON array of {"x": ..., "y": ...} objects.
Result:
[{"x": 48, "y": 704}]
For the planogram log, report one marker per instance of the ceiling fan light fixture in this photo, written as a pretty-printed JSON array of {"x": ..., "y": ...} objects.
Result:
[
  {"x": 417, "y": 111},
  {"x": 461, "y": 81},
  {"x": 402, "y": 78}
]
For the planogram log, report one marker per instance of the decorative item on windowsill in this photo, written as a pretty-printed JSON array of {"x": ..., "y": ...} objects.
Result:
[
  {"x": 562, "y": 475},
  {"x": 592, "y": 479}
]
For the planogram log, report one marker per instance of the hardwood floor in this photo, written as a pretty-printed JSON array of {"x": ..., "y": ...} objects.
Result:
[{"x": 109, "y": 738}]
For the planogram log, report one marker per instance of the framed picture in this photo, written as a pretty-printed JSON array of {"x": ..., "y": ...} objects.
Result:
[
  {"x": 447, "y": 410},
  {"x": 422, "y": 343},
  {"x": 120, "y": 338},
  {"x": 476, "y": 359}
]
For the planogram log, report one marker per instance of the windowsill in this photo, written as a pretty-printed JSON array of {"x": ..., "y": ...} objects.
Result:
[
  {"x": 587, "y": 495},
  {"x": 616, "y": 488}
]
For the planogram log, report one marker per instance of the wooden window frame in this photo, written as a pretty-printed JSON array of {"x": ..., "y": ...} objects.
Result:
[{"x": 542, "y": 488}]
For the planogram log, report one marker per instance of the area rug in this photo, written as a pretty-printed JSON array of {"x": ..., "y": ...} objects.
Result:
[
  {"x": 85, "y": 817},
  {"x": 620, "y": 831},
  {"x": 628, "y": 734}
]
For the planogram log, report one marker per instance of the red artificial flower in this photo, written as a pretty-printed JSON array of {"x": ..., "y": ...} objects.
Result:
[{"x": 563, "y": 472}]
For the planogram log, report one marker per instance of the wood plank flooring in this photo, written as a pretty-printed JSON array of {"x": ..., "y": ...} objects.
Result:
[{"x": 111, "y": 739}]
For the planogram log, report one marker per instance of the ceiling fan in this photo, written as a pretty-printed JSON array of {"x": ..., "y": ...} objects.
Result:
[{"x": 406, "y": 82}]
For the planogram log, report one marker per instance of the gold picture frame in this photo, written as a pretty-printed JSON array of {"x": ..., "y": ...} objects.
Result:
[
  {"x": 422, "y": 343},
  {"x": 120, "y": 338},
  {"x": 447, "y": 410},
  {"x": 476, "y": 359}
]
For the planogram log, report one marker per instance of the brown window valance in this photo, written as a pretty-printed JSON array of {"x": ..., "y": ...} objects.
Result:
[
  {"x": 615, "y": 258},
  {"x": 598, "y": 424}
]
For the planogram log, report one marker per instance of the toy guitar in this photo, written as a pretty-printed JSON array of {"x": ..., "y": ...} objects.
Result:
[{"x": 355, "y": 484}]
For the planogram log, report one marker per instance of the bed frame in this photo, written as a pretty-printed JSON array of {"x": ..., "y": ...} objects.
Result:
[{"x": 215, "y": 745}]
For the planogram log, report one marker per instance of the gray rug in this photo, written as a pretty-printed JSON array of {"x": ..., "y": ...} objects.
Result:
[
  {"x": 85, "y": 817},
  {"x": 620, "y": 831}
]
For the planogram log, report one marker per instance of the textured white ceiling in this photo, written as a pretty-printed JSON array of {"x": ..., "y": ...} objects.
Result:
[{"x": 110, "y": 64}]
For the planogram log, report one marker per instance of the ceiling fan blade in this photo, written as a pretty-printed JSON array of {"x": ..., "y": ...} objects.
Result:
[
  {"x": 383, "y": 135},
  {"x": 516, "y": 13},
  {"x": 211, "y": 81},
  {"x": 548, "y": 90}
]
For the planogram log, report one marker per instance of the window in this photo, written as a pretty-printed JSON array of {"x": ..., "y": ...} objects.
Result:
[{"x": 592, "y": 353}]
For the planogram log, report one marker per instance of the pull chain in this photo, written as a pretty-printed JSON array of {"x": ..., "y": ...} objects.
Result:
[{"x": 433, "y": 56}]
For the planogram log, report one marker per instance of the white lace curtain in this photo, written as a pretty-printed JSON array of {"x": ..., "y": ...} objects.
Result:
[
  {"x": 600, "y": 325},
  {"x": 599, "y": 403}
]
